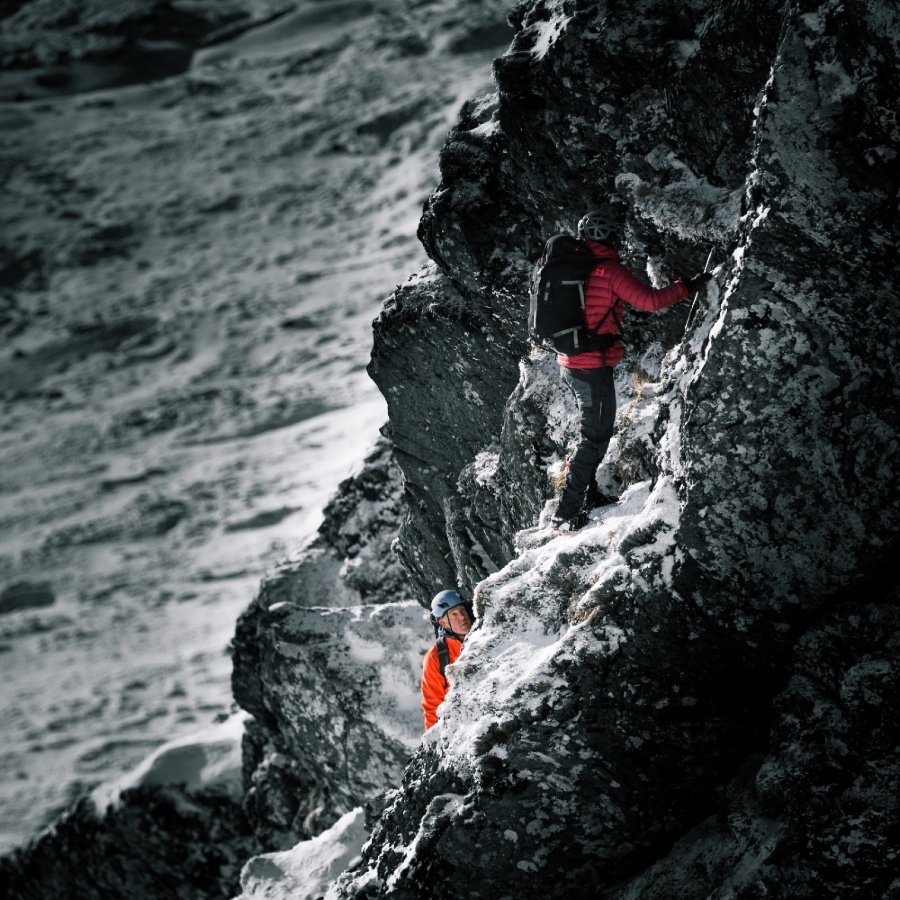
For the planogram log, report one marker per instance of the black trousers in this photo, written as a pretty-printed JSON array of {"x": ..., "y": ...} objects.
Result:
[{"x": 595, "y": 392}]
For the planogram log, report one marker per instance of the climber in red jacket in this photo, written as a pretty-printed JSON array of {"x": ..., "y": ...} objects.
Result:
[
  {"x": 453, "y": 618},
  {"x": 590, "y": 375}
]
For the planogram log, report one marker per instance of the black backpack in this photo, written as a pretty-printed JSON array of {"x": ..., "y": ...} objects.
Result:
[{"x": 556, "y": 318}]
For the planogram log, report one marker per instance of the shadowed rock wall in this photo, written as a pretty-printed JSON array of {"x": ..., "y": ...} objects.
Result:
[{"x": 157, "y": 842}]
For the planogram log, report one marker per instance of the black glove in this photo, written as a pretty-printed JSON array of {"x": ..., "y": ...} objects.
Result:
[{"x": 698, "y": 281}]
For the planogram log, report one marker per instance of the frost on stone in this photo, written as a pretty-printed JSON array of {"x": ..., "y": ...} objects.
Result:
[
  {"x": 624, "y": 683},
  {"x": 687, "y": 205}
]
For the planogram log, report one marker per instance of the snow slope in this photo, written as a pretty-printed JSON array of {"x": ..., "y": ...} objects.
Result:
[
  {"x": 305, "y": 872},
  {"x": 188, "y": 273}
]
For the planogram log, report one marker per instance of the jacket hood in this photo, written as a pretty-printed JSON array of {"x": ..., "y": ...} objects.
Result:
[{"x": 602, "y": 251}]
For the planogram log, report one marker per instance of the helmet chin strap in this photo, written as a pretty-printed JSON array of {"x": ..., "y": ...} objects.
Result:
[{"x": 451, "y": 633}]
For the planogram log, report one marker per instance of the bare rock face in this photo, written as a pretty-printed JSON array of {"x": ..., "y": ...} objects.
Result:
[
  {"x": 807, "y": 820},
  {"x": 690, "y": 696},
  {"x": 444, "y": 363}
]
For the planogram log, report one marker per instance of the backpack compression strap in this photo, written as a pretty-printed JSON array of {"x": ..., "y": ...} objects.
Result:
[{"x": 610, "y": 312}]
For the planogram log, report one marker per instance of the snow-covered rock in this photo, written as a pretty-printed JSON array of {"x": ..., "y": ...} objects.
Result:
[
  {"x": 620, "y": 686},
  {"x": 339, "y": 705},
  {"x": 173, "y": 827},
  {"x": 305, "y": 871},
  {"x": 328, "y": 659}
]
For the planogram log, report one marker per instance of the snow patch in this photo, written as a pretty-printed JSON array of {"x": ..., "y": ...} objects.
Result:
[
  {"x": 546, "y": 34},
  {"x": 834, "y": 81},
  {"x": 443, "y": 806},
  {"x": 306, "y": 870},
  {"x": 207, "y": 759},
  {"x": 687, "y": 205},
  {"x": 487, "y": 466},
  {"x": 686, "y": 49},
  {"x": 479, "y": 551},
  {"x": 362, "y": 650}
]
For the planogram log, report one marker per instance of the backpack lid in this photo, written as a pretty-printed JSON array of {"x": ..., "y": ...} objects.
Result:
[{"x": 564, "y": 245}]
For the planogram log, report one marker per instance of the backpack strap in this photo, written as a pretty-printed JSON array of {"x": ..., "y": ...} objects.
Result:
[
  {"x": 610, "y": 312},
  {"x": 443, "y": 654}
]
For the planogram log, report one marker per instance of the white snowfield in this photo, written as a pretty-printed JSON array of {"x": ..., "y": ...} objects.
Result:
[{"x": 190, "y": 358}]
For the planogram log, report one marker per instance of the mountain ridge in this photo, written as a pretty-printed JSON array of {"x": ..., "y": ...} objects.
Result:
[
  {"x": 696, "y": 694},
  {"x": 619, "y": 686}
]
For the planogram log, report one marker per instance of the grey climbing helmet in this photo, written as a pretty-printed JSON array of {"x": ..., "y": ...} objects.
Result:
[
  {"x": 599, "y": 224},
  {"x": 444, "y": 602}
]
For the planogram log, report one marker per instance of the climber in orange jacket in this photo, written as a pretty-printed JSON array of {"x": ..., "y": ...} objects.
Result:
[{"x": 452, "y": 618}]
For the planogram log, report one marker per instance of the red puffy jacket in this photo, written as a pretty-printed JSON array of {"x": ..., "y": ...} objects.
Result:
[
  {"x": 434, "y": 685},
  {"x": 611, "y": 284}
]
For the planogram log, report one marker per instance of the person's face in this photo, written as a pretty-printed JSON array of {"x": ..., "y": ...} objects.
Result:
[{"x": 457, "y": 620}]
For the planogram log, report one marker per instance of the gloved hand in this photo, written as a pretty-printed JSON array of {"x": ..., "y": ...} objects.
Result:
[{"x": 698, "y": 281}]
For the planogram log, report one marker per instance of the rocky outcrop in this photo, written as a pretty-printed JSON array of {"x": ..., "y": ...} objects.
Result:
[
  {"x": 611, "y": 729},
  {"x": 174, "y": 827},
  {"x": 818, "y": 815},
  {"x": 445, "y": 365},
  {"x": 696, "y": 694},
  {"x": 340, "y": 716},
  {"x": 328, "y": 659},
  {"x": 159, "y": 843}
]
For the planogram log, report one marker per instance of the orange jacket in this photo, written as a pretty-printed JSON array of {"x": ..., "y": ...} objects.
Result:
[
  {"x": 434, "y": 685},
  {"x": 611, "y": 284}
]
